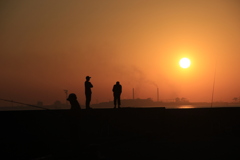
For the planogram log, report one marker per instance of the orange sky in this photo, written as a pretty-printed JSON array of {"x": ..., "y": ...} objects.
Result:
[{"x": 51, "y": 45}]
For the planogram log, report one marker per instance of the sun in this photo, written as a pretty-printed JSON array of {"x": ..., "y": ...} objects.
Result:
[{"x": 184, "y": 62}]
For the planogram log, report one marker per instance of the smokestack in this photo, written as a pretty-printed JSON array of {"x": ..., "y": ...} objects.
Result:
[
  {"x": 133, "y": 93},
  {"x": 157, "y": 95}
]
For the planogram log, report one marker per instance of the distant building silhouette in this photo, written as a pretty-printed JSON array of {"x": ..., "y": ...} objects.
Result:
[
  {"x": 40, "y": 103},
  {"x": 117, "y": 90},
  {"x": 88, "y": 92},
  {"x": 72, "y": 98}
]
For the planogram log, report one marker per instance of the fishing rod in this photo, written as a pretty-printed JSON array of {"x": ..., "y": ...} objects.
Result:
[{"x": 23, "y": 104}]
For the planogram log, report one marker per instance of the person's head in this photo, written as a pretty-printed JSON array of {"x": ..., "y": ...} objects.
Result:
[
  {"x": 88, "y": 78},
  {"x": 71, "y": 97},
  {"x": 117, "y": 83}
]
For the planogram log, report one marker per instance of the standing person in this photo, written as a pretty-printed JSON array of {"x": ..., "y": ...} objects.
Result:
[
  {"x": 117, "y": 90},
  {"x": 88, "y": 92}
]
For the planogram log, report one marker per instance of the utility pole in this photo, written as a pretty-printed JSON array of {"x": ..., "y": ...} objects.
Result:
[{"x": 214, "y": 79}]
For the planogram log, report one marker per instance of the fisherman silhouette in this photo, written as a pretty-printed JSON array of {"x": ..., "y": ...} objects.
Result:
[
  {"x": 72, "y": 98},
  {"x": 117, "y": 90},
  {"x": 88, "y": 92}
]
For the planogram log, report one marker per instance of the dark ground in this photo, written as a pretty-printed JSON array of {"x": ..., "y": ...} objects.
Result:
[{"x": 126, "y": 133}]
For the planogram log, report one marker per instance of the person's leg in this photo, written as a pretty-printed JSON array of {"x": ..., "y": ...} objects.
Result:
[
  {"x": 87, "y": 102},
  {"x": 119, "y": 101},
  {"x": 115, "y": 100},
  {"x": 88, "y": 99}
]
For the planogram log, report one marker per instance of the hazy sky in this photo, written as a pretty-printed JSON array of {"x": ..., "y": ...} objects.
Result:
[{"x": 47, "y": 46}]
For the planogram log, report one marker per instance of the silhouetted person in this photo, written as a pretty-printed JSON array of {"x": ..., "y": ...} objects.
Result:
[
  {"x": 117, "y": 90},
  {"x": 88, "y": 92},
  {"x": 72, "y": 98}
]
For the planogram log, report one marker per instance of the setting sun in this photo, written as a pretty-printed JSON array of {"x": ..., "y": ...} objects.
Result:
[{"x": 184, "y": 62}]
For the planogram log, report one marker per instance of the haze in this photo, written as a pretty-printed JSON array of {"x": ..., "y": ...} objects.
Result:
[{"x": 48, "y": 46}]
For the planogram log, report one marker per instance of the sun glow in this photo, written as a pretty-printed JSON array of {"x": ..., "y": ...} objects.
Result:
[{"x": 184, "y": 62}]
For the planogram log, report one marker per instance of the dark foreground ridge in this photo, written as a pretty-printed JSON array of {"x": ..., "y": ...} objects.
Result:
[{"x": 126, "y": 133}]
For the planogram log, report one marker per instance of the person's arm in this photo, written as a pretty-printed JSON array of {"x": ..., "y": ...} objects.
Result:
[{"x": 90, "y": 84}]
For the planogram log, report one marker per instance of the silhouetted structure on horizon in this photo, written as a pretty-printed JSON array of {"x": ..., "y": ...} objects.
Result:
[
  {"x": 88, "y": 92},
  {"x": 72, "y": 98},
  {"x": 117, "y": 90}
]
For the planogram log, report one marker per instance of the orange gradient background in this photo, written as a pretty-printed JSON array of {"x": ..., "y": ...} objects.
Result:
[{"x": 51, "y": 45}]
